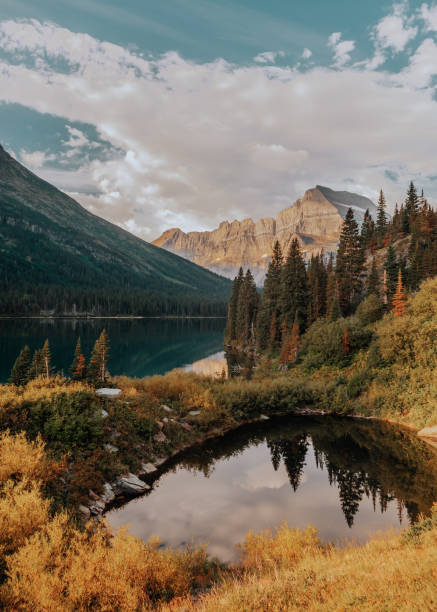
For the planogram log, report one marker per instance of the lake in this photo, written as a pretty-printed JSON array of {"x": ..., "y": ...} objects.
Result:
[
  {"x": 347, "y": 477},
  {"x": 139, "y": 347}
]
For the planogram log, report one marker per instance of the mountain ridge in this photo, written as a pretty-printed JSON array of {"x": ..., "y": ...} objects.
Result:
[
  {"x": 49, "y": 239},
  {"x": 315, "y": 220}
]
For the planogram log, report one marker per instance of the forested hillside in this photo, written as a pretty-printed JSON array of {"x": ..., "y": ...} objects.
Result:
[{"x": 55, "y": 256}]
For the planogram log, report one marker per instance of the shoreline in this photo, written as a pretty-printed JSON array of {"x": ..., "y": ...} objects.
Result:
[
  {"x": 97, "y": 317},
  {"x": 165, "y": 461}
]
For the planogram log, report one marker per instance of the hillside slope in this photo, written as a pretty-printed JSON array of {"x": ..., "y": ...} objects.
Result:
[
  {"x": 48, "y": 239},
  {"x": 315, "y": 220}
]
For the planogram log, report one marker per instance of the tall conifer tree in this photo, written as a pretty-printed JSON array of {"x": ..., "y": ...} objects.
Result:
[
  {"x": 269, "y": 307},
  {"x": 21, "y": 368},
  {"x": 349, "y": 264},
  {"x": 381, "y": 218},
  {"x": 231, "y": 327},
  {"x": 294, "y": 285}
]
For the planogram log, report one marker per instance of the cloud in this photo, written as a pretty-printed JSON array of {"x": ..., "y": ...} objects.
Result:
[
  {"x": 192, "y": 144},
  {"x": 35, "y": 159},
  {"x": 429, "y": 16},
  {"x": 341, "y": 48},
  {"x": 268, "y": 57},
  {"x": 306, "y": 53},
  {"x": 393, "y": 31}
]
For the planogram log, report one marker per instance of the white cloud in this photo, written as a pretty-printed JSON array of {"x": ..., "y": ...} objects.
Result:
[
  {"x": 393, "y": 31},
  {"x": 35, "y": 159},
  {"x": 199, "y": 143},
  {"x": 306, "y": 53},
  {"x": 268, "y": 57},
  {"x": 429, "y": 16},
  {"x": 341, "y": 48}
]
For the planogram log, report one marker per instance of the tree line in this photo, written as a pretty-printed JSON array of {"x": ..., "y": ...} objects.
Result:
[
  {"x": 27, "y": 367},
  {"x": 296, "y": 293}
]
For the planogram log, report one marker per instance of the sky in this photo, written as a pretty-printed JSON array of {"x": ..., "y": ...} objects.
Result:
[{"x": 186, "y": 113}]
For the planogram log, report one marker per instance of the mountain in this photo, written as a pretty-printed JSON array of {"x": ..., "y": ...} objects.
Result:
[
  {"x": 315, "y": 220},
  {"x": 49, "y": 243}
]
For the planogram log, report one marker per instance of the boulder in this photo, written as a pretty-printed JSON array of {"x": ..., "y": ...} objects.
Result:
[
  {"x": 263, "y": 417},
  {"x": 111, "y": 448},
  {"x": 166, "y": 408},
  {"x": 106, "y": 392},
  {"x": 428, "y": 432},
  {"x": 194, "y": 412},
  {"x": 131, "y": 485},
  {"x": 104, "y": 414},
  {"x": 85, "y": 511},
  {"x": 148, "y": 468},
  {"x": 108, "y": 493}
]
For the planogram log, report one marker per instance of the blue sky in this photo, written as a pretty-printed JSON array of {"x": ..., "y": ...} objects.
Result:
[{"x": 188, "y": 112}]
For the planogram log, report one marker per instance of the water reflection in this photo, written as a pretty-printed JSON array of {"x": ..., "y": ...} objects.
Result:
[
  {"x": 139, "y": 347},
  {"x": 347, "y": 478}
]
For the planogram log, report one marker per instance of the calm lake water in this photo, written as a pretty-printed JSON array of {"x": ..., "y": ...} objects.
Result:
[
  {"x": 139, "y": 347},
  {"x": 346, "y": 477}
]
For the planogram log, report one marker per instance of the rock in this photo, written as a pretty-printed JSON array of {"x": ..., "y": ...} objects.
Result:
[
  {"x": 85, "y": 511},
  {"x": 148, "y": 468},
  {"x": 106, "y": 392},
  {"x": 103, "y": 413},
  {"x": 97, "y": 507},
  {"x": 111, "y": 448},
  {"x": 166, "y": 408},
  {"x": 428, "y": 432},
  {"x": 108, "y": 493},
  {"x": 165, "y": 419},
  {"x": 315, "y": 220},
  {"x": 160, "y": 437},
  {"x": 186, "y": 426},
  {"x": 194, "y": 412},
  {"x": 160, "y": 460},
  {"x": 263, "y": 417},
  {"x": 131, "y": 485}
]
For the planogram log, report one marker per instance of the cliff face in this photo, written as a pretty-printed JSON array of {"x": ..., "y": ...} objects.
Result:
[{"x": 315, "y": 220}]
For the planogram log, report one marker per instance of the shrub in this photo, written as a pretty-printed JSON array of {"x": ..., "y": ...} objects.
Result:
[{"x": 370, "y": 310}]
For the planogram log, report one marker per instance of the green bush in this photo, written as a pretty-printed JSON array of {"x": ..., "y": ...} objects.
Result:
[{"x": 370, "y": 310}]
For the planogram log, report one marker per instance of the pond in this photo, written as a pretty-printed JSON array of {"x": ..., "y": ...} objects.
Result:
[
  {"x": 349, "y": 478},
  {"x": 139, "y": 347}
]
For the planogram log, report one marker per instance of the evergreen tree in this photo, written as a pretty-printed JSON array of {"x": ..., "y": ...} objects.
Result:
[
  {"x": 247, "y": 311},
  {"x": 391, "y": 267},
  {"x": 317, "y": 280},
  {"x": 381, "y": 219},
  {"x": 349, "y": 264},
  {"x": 330, "y": 285},
  {"x": 21, "y": 369},
  {"x": 77, "y": 354},
  {"x": 367, "y": 230},
  {"x": 36, "y": 369},
  {"x": 97, "y": 370},
  {"x": 294, "y": 287},
  {"x": 46, "y": 359},
  {"x": 373, "y": 284},
  {"x": 294, "y": 340},
  {"x": 411, "y": 207},
  {"x": 399, "y": 298},
  {"x": 269, "y": 307},
  {"x": 231, "y": 327}
]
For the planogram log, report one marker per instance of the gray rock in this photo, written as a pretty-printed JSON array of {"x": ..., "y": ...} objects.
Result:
[
  {"x": 194, "y": 412},
  {"x": 106, "y": 392},
  {"x": 97, "y": 507},
  {"x": 111, "y": 448},
  {"x": 108, "y": 493},
  {"x": 166, "y": 408},
  {"x": 131, "y": 485},
  {"x": 165, "y": 419},
  {"x": 148, "y": 468},
  {"x": 104, "y": 414},
  {"x": 160, "y": 460},
  {"x": 160, "y": 437},
  {"x": 263, "y": 417}
]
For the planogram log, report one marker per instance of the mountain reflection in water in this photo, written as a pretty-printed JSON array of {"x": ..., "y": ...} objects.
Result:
[{"x": 349, "y": 478}]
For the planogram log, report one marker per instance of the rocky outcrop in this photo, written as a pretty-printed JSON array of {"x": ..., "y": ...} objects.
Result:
[{"x": 315, "y": 220}]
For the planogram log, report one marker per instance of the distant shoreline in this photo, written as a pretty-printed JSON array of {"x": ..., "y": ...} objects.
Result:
[{"x": 95, "y": 317}]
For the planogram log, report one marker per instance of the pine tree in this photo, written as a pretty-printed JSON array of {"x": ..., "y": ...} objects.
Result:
[
  {"x": 269, "y": 307},
  {"x": 77, "y": 354},
  {"x": 97, "y": 370},
  {"x": 330, "y": 285},
  {"x": 399, "y": 298},
  {"x": 46, "y": 358},
  {"x": 247, "y": 311},
  {"x": 231, "y": 327},
  {"x": 411, "y": 207},
  {"x": 373, "y": 284},
  {"x": 80, "y": 371},
  {"x": 367, "y": 230},
  {"x": 381, "y": 219},
  {"x": 21, "y": 369},
  {"x": 294, "y": 288},
  {"x": 391, "y": 266},
  {"x": 294, "y": 340},
  {"x": 349, "y": 264},
  {"x": 36, "y": 369}
]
